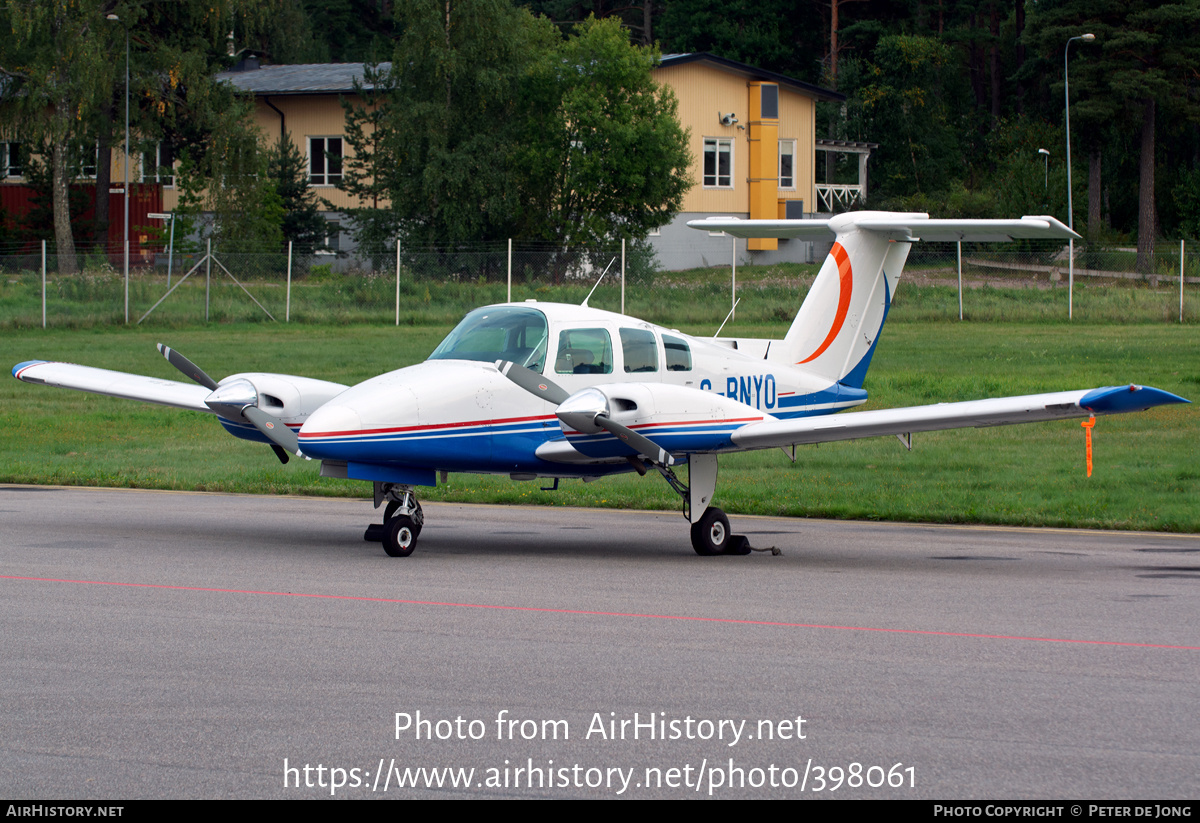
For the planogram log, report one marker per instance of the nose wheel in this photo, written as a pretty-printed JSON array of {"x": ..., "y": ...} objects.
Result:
[{"x": 402, "y": 522}]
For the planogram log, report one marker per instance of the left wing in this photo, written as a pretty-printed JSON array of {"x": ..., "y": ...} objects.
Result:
[{"x": 1000, "y": 411}]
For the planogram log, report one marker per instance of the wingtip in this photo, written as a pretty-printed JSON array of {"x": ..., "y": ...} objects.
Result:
[
  {"x": 20, "y": 367},
  {"x": 1116, "y": 399}
]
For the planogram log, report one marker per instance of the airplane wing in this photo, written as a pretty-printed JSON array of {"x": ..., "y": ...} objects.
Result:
[
  {"x": 901, "y": 227},
  {"x": 114, "y": 384},
  {"x": 1000, "y": 411}
]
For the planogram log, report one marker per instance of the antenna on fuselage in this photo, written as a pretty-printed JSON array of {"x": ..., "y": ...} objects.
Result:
[
  {"x": 726, "y": 320},
  {"x": 606, "y": 268}
]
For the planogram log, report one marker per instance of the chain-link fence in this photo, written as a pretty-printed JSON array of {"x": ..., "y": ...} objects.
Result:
[{"x": 1014, "y": 281}]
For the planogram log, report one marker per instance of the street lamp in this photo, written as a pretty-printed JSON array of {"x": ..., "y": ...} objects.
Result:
[
  {"x": 1087, "y": 38},
  {"x": 117, "y": 19},
  {"x": 1046, "y": 156}
]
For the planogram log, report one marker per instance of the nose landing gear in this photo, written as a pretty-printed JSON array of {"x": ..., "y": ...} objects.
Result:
[{"x": 402, "y": 520}]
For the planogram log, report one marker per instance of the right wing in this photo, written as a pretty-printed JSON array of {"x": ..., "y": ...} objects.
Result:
[
  {"x": 1000, "y": 411},
  {"x": 114, "y": 384}
]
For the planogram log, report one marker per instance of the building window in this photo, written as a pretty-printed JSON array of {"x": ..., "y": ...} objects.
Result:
[
  {"x": 10, "y": 159},
  {"x": 158, "y": 165},
  {"x": 331, "y": 243},
  {"x": 787, "y": 164},
  {"x": 324, "y": 161},
  {"x": 718, "y": 162},
  {"x": 87, "y": 161}
]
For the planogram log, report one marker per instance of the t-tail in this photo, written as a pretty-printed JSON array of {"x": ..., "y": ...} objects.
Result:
[{"x": 838, "y": 326}]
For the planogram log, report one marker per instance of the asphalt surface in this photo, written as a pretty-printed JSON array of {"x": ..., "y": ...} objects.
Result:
[{"x": 197, "y": 645}]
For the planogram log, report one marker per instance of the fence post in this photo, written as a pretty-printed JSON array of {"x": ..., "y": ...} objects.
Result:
[
  {"x": 623, "y": 275},
  {"x": 287, "y": 309},
  {"x": 959, "y": 244},
  {"x": 44, "y": 284},
  {"x": 510, "y": 271},
  {"x": 1181, "y": 259},
  {"x": 207, "y": 277},
  {"x": 397, "y": 281}
]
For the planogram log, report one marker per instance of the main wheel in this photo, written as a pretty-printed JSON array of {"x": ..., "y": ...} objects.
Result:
[
  {"x": 710, "y": 534},
  {"x": 399, "y": 537}
]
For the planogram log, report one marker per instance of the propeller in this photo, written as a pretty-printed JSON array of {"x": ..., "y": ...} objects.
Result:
[
  {"x": 586, "y": 411},
  {"x": 238, "y": 398}
]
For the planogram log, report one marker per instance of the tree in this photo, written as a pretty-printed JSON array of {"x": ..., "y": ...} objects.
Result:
[
  {"x": 228, "y": 183},
  {"x": 602, "y": 154},
  {"x": 1144, "y": 62},
  {"x": 57, "y": 69},
  {"x": 441, "y": 149},
  {"x": 302, "y": 223},
  {"x": 488, "y": 126}
]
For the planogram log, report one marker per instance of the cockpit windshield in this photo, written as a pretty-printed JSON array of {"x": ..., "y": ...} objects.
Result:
[{"x": 498, "y": 333}]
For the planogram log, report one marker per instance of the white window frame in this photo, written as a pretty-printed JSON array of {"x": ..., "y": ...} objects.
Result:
[
  {"x": 332, "y": 241},
  {"x": 156, "y": 175},
  {"x": 318, "y": 147},
  {"x": 715, "y": 144},
  {"x": 10, "y": 160},
  {"x": 790, "y": 145}
]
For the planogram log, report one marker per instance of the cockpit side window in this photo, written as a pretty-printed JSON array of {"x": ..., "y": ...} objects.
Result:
[
  {"x": 498, "y": 333},
  {"x": 584, "y": 351},
  {"x": 640, "y": 350}
]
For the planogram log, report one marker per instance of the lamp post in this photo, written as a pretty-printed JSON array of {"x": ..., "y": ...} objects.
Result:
[
  {"x": 1087, "y": 38},
  {"x": 117, "y": 19},
  {"x": 1046, "y": 157}
]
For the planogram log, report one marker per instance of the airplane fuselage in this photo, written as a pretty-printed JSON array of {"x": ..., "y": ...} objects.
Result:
[{"x": 457, "y": 412}]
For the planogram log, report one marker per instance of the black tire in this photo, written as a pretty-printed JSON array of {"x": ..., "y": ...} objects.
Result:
[
  {"x": 710, "y": 534},
  {"x": 400, "y": 537}
]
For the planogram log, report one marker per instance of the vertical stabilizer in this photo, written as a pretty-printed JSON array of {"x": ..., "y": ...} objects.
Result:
[{"x": 835, "y": 331}]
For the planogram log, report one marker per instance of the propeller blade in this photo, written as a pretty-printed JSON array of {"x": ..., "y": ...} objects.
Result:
[
  {"x": 643, "y": 444},
  {"x": 273, "y": 428},
  {"x": 187, "y": 367},
  {"x": 533, "y": 382}
]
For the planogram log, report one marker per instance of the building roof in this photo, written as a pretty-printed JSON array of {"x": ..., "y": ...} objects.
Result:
[
  {"x": 339, "y": 78},
  {"x": 310, "y": 78},
  {"x": 752, "y": 73}
]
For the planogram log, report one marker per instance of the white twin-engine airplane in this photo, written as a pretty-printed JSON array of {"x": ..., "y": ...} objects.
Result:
[{"x": 557, "y": 391}]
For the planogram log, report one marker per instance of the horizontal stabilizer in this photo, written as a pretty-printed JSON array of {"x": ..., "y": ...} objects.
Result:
[
  {"x": 904, "y": 227},
  {"x": 1000, "y": 411},
  {"x": 114, "y": 384}
]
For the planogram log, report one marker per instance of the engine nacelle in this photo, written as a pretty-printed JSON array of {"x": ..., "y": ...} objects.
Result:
[{"x": 680, "y": 419}]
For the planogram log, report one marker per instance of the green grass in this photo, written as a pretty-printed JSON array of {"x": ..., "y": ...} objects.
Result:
[{"x": 1146, "y": 473}]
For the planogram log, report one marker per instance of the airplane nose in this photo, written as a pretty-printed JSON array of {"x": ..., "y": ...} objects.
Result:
[
  {"x": 326, "y": 428},
  {"x": 332, "y": 419}
]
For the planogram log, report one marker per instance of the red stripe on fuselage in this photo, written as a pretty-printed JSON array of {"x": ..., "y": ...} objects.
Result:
[
  {"x": 399, "y": 429},
  {"x": 846, "y": 287}
]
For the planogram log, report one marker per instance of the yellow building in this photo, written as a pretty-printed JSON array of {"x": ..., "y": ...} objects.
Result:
[{"x": 753, "y": 144}]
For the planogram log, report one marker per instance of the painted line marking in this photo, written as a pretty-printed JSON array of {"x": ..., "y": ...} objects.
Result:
[{"x": 587, "y": 613}]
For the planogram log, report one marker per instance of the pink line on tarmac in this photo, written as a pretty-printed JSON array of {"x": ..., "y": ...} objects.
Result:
[{"x": 587, "y": 613}]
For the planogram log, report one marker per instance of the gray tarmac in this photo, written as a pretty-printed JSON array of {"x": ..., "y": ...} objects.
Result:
[{"x": 177, "y": 645}]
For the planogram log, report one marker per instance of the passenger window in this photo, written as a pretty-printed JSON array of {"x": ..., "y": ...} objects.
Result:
[
  {"x": 641, "y": 352},
  {"x": 679, "y": 355},
  {"x": 584, "y": 351}
]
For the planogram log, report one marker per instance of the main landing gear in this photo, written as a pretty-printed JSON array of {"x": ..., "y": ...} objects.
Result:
[
  {"x": 402, "y": 520},
  {"x": 710, "y": 527}
]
